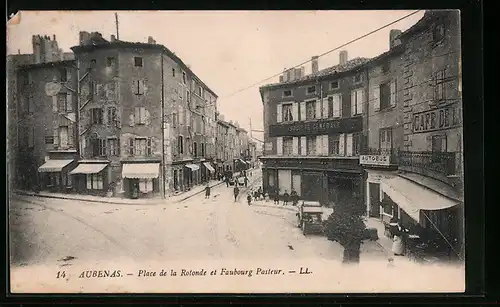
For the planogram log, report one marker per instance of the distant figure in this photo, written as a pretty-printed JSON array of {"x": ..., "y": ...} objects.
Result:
[
  {"x": 227, "y": 181},
  {"x": 294, "y": 197},
  {"x": 249, "y": 198},
  {"x": 246, "y": 181},
  {"x": 276, "y": 198},
  {"x": 286, "y": 196},
  {"x": 266, "y": 197},
  {"x": 236, "y": 191},
  {"x": 207, "y": 191}
]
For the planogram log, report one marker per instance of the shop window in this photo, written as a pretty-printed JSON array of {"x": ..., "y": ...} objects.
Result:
[
  {"x": 439, "y": 143},
  {"x": 146, "y": 185},
  {"x": 95, "y": 181}
]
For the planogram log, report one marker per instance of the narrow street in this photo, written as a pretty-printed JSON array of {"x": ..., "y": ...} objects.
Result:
[{"x": 45, "y": 230}]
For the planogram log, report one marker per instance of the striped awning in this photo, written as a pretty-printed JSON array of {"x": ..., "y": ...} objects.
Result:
[
  {"x": 193, "y": 167},
  {"x": 141, "y": 170},
  {"x": 209, "y": 167},
  {"x": 53, "y": 166},
  {"x": 88, "y": 168}
]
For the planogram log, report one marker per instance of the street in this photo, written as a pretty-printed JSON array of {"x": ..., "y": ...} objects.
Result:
[{"x": 48, "y": 231}]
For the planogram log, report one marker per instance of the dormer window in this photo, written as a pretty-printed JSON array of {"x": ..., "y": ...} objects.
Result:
[
  {"x": 357, "y": 78},
  {"x": 287, "y": 93},
  {"x": 311, "y": 90},
  {"x": 334, "y": 85}
]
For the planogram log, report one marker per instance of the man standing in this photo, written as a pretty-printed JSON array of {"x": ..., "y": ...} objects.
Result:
[
  {"x": 207, "y": 191},
  {"x": 236, "y": 191},
  {"x": 286, "y": 196},
  {"x": 246, "y": 181}
]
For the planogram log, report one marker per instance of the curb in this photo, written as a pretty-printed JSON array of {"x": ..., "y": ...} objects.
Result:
[
  {"x": 187, "y": 197},
  {"x": 81, "y": 199},
  {"x": 275, "y": 207}
]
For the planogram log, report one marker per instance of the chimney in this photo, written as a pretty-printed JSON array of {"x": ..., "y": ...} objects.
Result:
[
  {"x": 282, "y": 79},
  {"x": 290, "y": 74},
  {"x": 151, "y": 40},
  {"x": 393, "y": 41},
  {"x": 54, "y": 37},
  {"x": 285, "y": 76},
  {"x": 18, "y": 51},
  {"x": 342, "y": 57},
  {"x": 113, "y": 38},
  {"x": 314, "y": 64}
]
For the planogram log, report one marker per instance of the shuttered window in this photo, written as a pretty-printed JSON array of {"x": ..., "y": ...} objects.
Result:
[{"x": 138, "y": 87}]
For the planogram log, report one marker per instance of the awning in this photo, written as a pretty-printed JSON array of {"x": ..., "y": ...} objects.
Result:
[
  {"x": 209, "y": 167},
  {"x": 53, "y": 166},
  {"x": 88, "y": 168},
  {"x": 412, "y": 197},
  {"x": 193, "y": 167},
  {"x": 248, "y": 162},
  {"x": 141, "y": 170}
]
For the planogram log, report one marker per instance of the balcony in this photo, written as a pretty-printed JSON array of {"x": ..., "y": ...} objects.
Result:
[{"x": 438, "y": 165}]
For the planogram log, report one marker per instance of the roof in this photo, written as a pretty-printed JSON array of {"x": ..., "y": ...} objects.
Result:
[
  {"x": 104, "y": 44},
  {"x": 340, "y": 68},
  {"x": 221, "y": 122},
  {"x": 429, "y": 17},
  {"x": 47, "y": 64}
]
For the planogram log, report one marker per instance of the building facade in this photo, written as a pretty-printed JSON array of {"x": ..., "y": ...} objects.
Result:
[{"x": 313, "y": 133}]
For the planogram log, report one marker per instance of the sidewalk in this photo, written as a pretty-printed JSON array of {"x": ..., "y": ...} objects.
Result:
[
  {"x": 383, "y": 241},
  {"x": 123, "y": 201}
]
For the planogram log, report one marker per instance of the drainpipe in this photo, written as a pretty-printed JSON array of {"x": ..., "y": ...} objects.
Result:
[{"x": 162, "y": 129}]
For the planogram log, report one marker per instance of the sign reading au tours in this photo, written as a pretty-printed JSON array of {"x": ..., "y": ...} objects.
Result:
[
  {"x": 319, "y": 127},
  {"x": 437, "y": 119}
]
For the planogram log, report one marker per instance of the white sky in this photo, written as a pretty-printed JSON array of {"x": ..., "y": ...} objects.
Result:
[{"x": 228, "y": 50}]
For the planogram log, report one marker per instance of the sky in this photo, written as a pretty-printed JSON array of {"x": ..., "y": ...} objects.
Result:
[{"x": 228, "y": 50}]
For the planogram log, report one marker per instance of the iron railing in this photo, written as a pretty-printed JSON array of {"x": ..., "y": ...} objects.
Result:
[{"x": 443, "y": 163}]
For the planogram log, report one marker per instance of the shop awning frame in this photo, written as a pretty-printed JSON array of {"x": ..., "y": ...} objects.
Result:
[
  {"x": 141, "y": 170},
  {"x": 88, "y": 168},
  {"x": 193, "y": 167},
  {"x": 411, "y": 197},
  {"x": 209, "y": 167},
  {"x": 54, "y": 166}
]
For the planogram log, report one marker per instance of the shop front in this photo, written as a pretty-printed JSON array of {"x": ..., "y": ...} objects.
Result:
[
  {"x": 374, "y": 192},
  {"x": 92, "y": 177},
  {"x": 209, "y": 170},
  {"x": 191, "y": 175},
  {"x": 345, "y": 187},
  {"x": 141, "y": 179},
  {"x": 55, "y": 175},
  {"x": 431, "y": 218}
]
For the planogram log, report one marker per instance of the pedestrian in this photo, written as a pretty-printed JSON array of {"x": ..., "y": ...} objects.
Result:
[
  {"x": 294, "y": 197},
  {"x": 276, "y": 198},
  {"x": 398, "y": 244},
  {"x": 227, "y": 181},
  {"x": 286, "y": 196},
  {"x": 236, "y": 191},
  {"x": 246, "y": 181},
  {"x": 249, "y": 198},
  {"x": 207, "y": 191},
  {"x": 266, "y": 197}
]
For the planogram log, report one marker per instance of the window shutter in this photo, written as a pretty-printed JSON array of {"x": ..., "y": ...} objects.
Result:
[
  {"x": 295, "y": 111},
  {"x": 54, "y": 103},
  {"x": 340, "y": 104},
  {"x": 349, "y": 144},
  {"x": 325, "y": 145},
  {"x": 131, "y": 147},
  {"x": 148, "y": 149},
  {"x": 376, "y": 98},
  {"x": 70, "y": 134},
  {"x": 137, "y": 115},
  {"x": 279, "y": 113},
  {"x": 393, "y": 93},
  {"x": 295, "y": 146},
  {"x": 353, "y": 103},
  {"x": 303, "y": 146},
  {"x": 303, "y": 110},
  {"x": 141, "y": 86},
  {"x": 69, "y": 102},
  {"x": 317, "y": 114},
  {"x": 359, "y": 101},
  {"x": 336, "y": 106},
  {"x": 341, "y": 144},
  {"x": 279, "y": 146},
  {"x": 325, "y": 107}
]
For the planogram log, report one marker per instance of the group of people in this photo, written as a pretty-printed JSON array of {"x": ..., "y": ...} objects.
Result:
[{"x": 293, "y": 197}]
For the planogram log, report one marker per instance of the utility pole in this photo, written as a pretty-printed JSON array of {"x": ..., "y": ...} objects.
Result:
[{"x": 117, "y": 31}]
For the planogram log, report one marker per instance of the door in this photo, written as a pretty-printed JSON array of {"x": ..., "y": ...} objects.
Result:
[{"x": 374, "y": 199}]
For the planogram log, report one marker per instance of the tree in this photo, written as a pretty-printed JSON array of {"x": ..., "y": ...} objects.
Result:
[{"x": 346, "y": 226}]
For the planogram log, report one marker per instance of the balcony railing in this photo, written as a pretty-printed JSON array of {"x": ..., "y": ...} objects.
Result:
[{"x": 442, "y": 163}]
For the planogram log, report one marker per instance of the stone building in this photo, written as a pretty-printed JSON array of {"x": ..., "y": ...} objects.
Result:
[
  {"x": 223, "y": 150},
  {"x": 139, "y": 118},
  {"x": 313, "y": 132}
]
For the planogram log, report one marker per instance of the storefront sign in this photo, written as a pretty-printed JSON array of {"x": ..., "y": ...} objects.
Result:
[
  {"x": 438, "y": 119},
  {"x": 319, "y": 127},
  {"x": 383, "y": 160}
]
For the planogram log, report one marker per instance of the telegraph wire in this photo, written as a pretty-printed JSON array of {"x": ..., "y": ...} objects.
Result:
[{"x": 327, "y": 52}]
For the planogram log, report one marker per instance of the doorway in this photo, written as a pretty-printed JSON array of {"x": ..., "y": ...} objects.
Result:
[
  {"x": 133, "y": 185},
  {"x": 374, "y": 199}
]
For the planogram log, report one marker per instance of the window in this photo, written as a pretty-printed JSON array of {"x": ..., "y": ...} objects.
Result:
[
  {"x": 388, "y": 209},
  {"x": 311, "y": 90},
  {"x": 334, "y": 144},
  {"x": 439, "y": 82},
  {"x": 49, "y": 139},
  {"x": 195, "y": 149},
  {"x": 287, "y": 93},
  {"x": 188, "y": 96},
  {"x": 439, "y": 143},
  {"x": 173, "y": 72},
  {"x": 62, "y": 103},
  {"x": 200, "y": 91},
  {"x": 140, "y": 116},
  {"x": 110, "y": 62},
  {"x": 98, "y": 147},
  {"x": 334, "y": 85},
  {"x": 311, "y": 145},
  {"x": 385, "y": 96},
  {"x": 137, "y": 61},
  {"x": 357, "y": 102},
  {"x": 438, "y": 33},
  {"x": 93, "y": 62},
  {"x": 142, "y": 147},
  {"x": 357, "y": 78},
  {"x": 145, "y": 185},
  {"x": 287, "y": 112},
  {"x": 112, "y": 116},
  {"x": 356, "y": 144},
  {"x": 114, "y": 147},
  {"x": 202, "y": 149},
  {"x": 311, "y": 110},
  {"x": 95, "y": 181},
  {"x": 139, "y": 87},
  {"x": 96, "y": 115},
  {"x": 180, "y": 144},
  {"x": 63, "y": 73},
  {"x": 334, "y": 109},
  {"x": 385, "y": 139},
  {"x": 287, "y": 146},
  {"x": 184, "y": 79}
]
